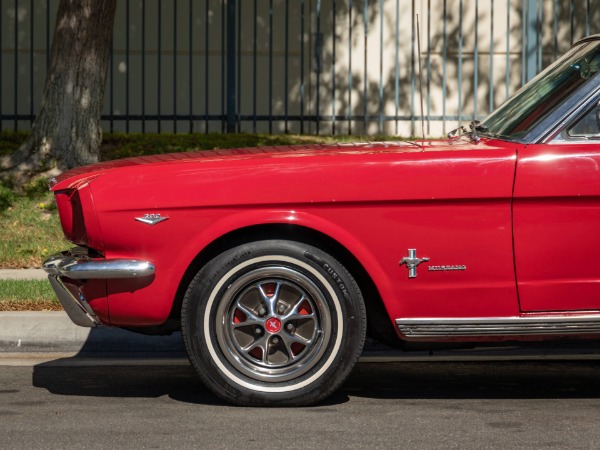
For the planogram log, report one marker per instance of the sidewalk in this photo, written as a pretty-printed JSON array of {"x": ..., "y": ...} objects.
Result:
[{"x": 22, "y": 274}]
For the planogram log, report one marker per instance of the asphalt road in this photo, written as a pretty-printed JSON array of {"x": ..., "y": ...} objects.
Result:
[{"x": 383, "y": 405}]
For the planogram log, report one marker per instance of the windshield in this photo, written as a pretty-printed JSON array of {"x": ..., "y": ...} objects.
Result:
[{"x": 546, "y": 91}]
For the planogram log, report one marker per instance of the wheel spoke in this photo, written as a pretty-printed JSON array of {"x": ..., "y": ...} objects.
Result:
[
  {"x": 296, "y": 317},
  {"x": 295, "y": 345},
  {"x": 251, "y": 318},
  {"x": 294, "y": 313},
  {"x": 272, "y": 300},
  {"x": 278, "y": 352},
  {"x": 299, "y": 302},
  {"x": 261, "y": 343},
  {"x": 290, "y": 339}
]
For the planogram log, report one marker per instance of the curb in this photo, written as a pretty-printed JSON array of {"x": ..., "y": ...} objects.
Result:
[{"x": 53, "y": 331}]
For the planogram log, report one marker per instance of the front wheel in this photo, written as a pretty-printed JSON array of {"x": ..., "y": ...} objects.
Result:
[{"x": 273, "y": 323}]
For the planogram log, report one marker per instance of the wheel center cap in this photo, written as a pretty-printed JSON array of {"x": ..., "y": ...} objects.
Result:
[{"x": 273, "y": 325}]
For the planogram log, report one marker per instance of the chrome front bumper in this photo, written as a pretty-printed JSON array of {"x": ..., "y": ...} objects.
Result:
[{"x": 75, "y": 267}]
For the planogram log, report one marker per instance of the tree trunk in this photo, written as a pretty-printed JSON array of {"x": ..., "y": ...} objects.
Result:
[{"x": 66, "y": 132}]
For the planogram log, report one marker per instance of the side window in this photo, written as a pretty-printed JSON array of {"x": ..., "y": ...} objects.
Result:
[{"x": 588, "y": 127}]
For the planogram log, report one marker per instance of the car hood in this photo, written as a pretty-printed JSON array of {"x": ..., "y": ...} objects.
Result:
[
  {"x": 315, "y": 175},
  {"x": 74, "y": 178}
]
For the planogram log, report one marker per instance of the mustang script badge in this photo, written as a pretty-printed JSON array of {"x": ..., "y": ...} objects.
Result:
[
  {"x": 412, "y": 262},
  {"x": 151, "y": 219}
]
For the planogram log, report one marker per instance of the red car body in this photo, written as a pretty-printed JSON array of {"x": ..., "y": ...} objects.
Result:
[
  {"x": 482, "y": 238},
  {"x": 452, "y": 201}
]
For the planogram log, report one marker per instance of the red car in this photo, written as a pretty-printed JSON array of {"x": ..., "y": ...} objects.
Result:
[{"x": 275, "y": 262}]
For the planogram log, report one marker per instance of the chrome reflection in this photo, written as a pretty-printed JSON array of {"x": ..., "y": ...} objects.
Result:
[{"x": 87, "y": 269}]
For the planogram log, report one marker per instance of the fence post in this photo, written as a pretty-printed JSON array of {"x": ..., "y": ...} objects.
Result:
[
  {"x": 231, "y": 112},
  {"x": 530, "y": 40}
]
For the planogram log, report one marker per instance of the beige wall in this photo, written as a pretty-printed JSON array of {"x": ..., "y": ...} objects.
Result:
[{"x": 370, "y": 62}]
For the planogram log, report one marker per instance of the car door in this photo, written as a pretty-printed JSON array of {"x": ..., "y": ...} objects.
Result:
[{"x": 556, "y": 219}]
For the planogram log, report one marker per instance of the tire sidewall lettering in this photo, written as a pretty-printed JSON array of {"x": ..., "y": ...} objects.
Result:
[{"x": 231, "y": 262}]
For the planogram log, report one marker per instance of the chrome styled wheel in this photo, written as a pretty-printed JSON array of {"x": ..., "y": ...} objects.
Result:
[{"x": 273, "y": 323}]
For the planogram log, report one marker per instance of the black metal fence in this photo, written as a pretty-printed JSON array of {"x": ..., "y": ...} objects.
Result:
[{"x": 302, "y": 66}]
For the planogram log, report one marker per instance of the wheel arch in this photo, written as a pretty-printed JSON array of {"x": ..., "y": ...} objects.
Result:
[{"x": 379, "y": 324}]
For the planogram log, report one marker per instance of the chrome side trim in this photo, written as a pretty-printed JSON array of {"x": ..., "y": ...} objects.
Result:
[
  {"x": 436, "y": 328},
  {"x": 86, "y": 269},
  {"x": 78, "y": 310}
]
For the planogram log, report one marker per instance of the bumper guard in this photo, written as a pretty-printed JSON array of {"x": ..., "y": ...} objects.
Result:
[{"x": 83, "y": 268}]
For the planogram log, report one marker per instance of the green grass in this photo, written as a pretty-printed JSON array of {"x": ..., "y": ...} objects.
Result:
[
  {"x": 117, "y": 145},
  {"x": 29, "y": 231},
  {"x": 27, "y": 295}
]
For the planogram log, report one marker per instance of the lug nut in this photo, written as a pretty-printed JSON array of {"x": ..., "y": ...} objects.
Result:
[
  {"x": 275, "y": 340},
  {"x": 281, "y": 309},
  {"x": 257, "y": 330},
  {"x": 262, "y": 311},
  {"x": 290, "y": 327}
]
